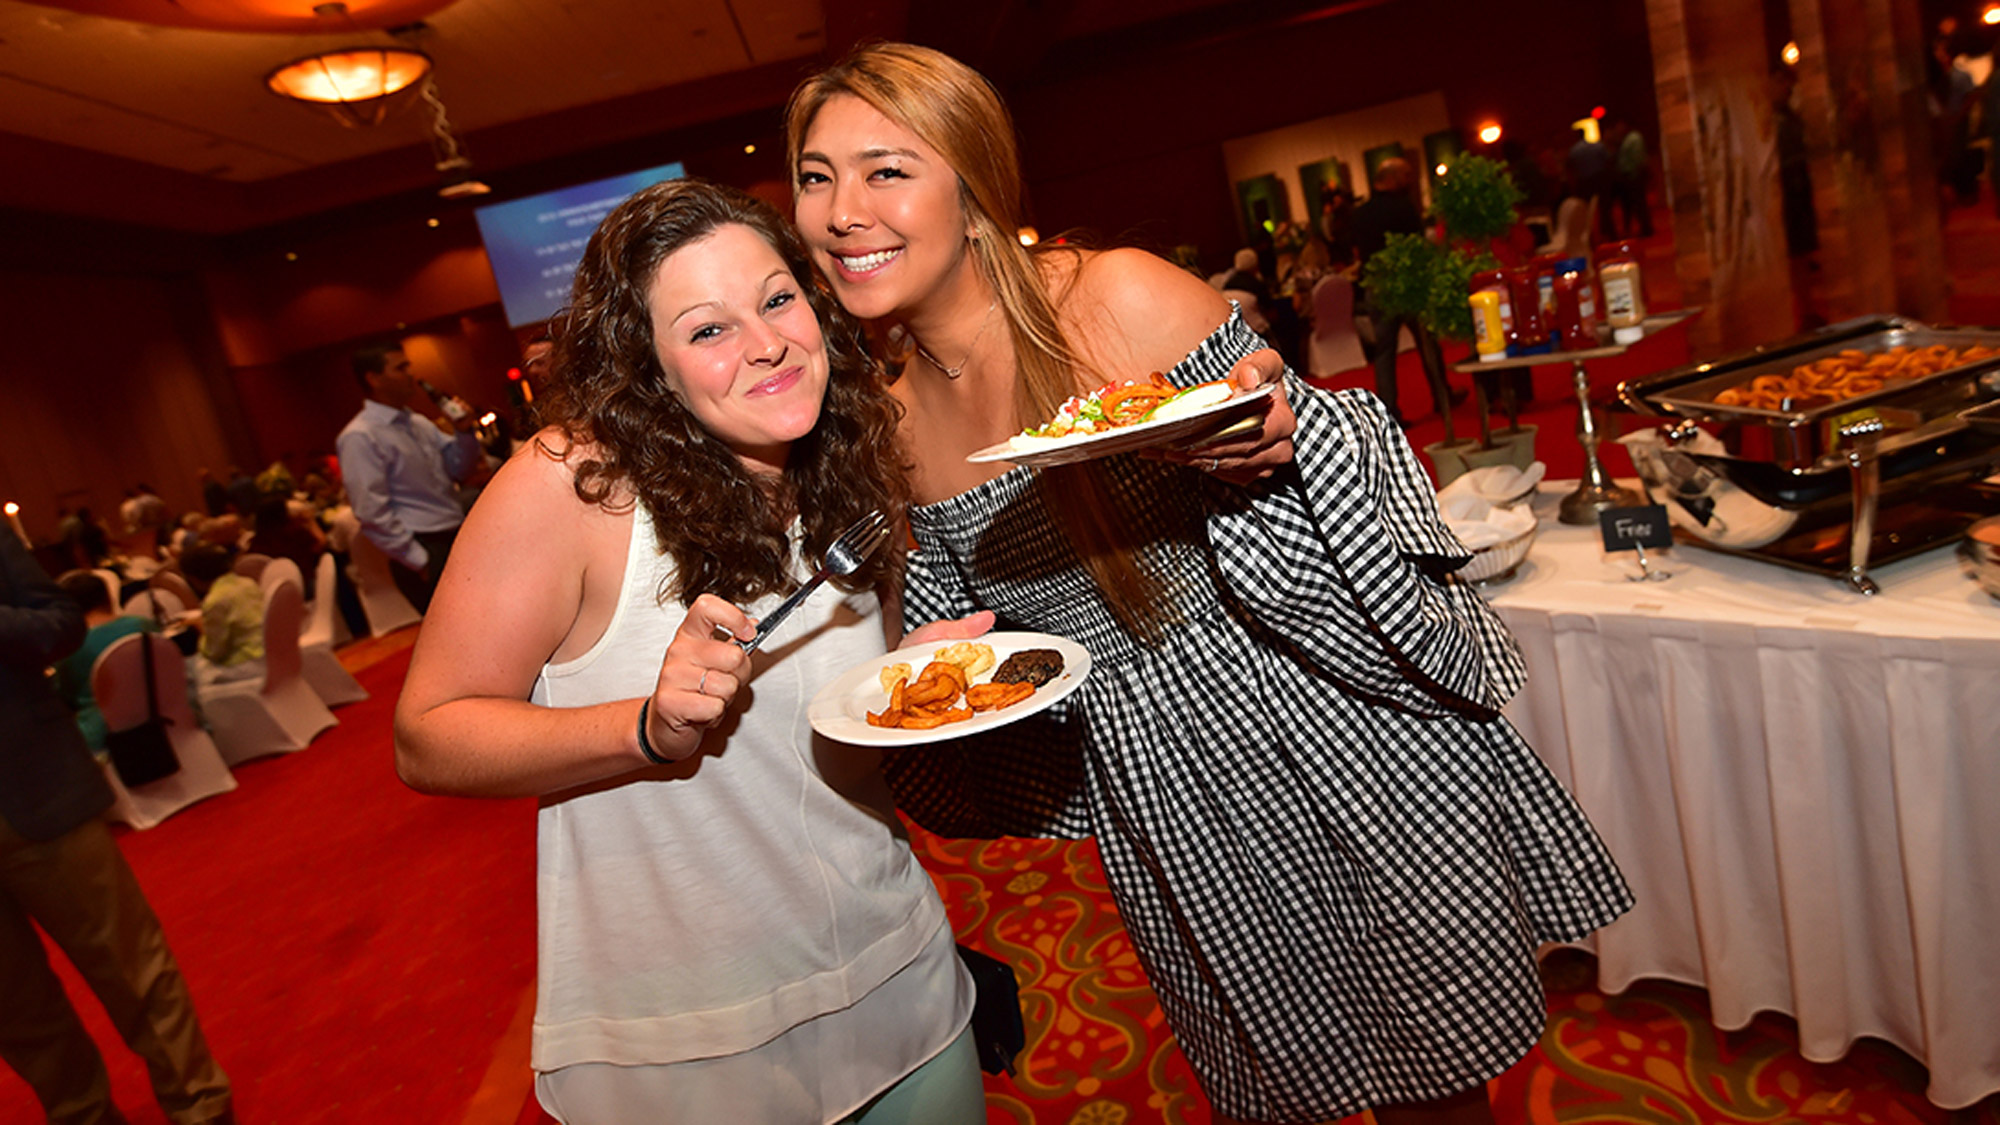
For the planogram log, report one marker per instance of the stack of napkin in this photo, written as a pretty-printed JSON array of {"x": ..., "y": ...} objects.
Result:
[{"x": 1483, "y": 506}]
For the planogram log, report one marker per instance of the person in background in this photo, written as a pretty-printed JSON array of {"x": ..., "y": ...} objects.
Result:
[
  {"x": 185, "y": 536},
  {"x": 1245, "y": 282},
  {"x": 1632, "y": 171},
  {"x": 732, "y": 924},
  {"x": 106, "y": 625},
  {"x": 145, "y": 517},
  {"x": 1593, "y": 176},
  {"x": 60, "y": 868},
  {"x": 1392, "y": 209},
  {"x": 242, "y": 492},
  {"x": 1333, "y": 856},
  {"x": 232, "y": 618},
  {"x": 84, "y": 540},
  {"x": 283, "y": 533},
  {"x": 1336, "y": 224},
  {"x": 214, "y": 494},
  {"x": 398, "y": 469}
]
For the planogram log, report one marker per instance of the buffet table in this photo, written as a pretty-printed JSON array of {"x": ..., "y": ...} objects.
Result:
[{"x": 1801, "y": 784}]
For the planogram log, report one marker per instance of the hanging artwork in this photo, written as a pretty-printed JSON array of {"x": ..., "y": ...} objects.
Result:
[
  {"x": 1264, "y": 205},
  {"x": 1320, "y": 177}
]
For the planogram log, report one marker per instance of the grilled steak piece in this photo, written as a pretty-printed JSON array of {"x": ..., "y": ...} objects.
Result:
[{"x": 1035, "y": 666}]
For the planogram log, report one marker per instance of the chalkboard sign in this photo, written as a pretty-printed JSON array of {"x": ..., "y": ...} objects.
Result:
[{"x": 1628, "y": 528}]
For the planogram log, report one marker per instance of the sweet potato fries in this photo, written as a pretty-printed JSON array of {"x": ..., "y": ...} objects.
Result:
[{"x": 943, "y": 692}]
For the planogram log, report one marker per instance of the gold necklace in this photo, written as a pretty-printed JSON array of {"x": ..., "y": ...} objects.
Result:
[{"x": 955, "y": 372}]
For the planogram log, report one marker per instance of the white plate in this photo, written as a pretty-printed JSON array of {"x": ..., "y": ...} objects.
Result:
[
  {"x": 1209, "y": 421},
  {"x": 840, "y": 710}
]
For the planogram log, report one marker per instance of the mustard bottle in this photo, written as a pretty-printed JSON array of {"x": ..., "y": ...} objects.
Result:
[{"x": 1489, "y": 336}]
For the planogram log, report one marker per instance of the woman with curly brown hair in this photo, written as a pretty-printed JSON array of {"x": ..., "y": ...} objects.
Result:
[{"x": 731, "y": 922}]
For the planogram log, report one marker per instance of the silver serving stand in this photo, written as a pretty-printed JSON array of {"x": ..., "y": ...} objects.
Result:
[{"x": 1596, "y": 492}]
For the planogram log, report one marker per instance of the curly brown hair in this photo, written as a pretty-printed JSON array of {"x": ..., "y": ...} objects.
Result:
[{"x": 724, "y": 528}]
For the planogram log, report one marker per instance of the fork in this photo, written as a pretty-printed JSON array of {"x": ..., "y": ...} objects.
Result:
[{"x": 844, "y": 557}]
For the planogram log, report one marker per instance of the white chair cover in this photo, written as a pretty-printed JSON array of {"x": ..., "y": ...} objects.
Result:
[
  {"x": 173, "y": 582},
  {"x": 118, "y": 681},
  {"x": 384, "y": 605},
  {"x": 112, "y": 583},
  {"x": 1576, "y": 218},
  {"x": 322, "y": 670},
  {"x": 251, "y": 565},
  {"x": 324, "y": 622},
  {"x": 154, "y": 605},
  {"x": 1335, "y": 345},
  {"x": 277, "y": 570},
  {"x": 281, "y": 713}
]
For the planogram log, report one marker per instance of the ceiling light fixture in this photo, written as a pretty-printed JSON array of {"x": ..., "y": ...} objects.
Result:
[{"x": 356, "y": 84}]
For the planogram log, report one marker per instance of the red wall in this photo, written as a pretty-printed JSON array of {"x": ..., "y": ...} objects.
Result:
[
  {"x": 1135, "y": 141},
  {"x": 243, "y": 357}
]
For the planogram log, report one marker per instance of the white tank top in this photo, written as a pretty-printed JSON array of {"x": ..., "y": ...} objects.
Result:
[{"x": 701, "y": 910}]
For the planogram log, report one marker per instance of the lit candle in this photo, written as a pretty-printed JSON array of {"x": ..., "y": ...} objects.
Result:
[{"x": 14, "y": 521}]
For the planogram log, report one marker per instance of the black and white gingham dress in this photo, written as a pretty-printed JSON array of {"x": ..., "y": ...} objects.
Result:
[{"x": 1334, "y": 858}]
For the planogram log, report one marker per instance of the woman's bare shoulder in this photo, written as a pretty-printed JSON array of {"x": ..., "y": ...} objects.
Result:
[{"x": 1139, "y": 311}]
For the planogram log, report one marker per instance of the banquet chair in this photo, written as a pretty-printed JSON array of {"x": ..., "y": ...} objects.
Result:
[
  {"x": 280, "y": 712},
  {"x": 154, "y": 605},
  {"x": 382, "y": 603},
  {"x": 324, "y": 621},
  {"x": 1335, "y": 345},
  {"x": 173, "y": 582},
  {"x": 1575, "y": 219},
  {"x": 251, "y": 565},
  {"x": 112, "y": 583},
  {"x": 321, "y": 668},
  {"x": 118, "y": 682}
]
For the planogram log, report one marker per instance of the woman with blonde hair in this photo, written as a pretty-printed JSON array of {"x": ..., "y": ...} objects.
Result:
[
  {"x": 732, "y": 926},
  {"x": 1333, "y": 855}
]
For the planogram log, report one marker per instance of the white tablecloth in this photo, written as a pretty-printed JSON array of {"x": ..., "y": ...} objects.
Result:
[{"x": 1801, "y": 784}]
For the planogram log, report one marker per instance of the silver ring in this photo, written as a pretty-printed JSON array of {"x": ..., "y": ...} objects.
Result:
[{"x": 702, "y": 687}]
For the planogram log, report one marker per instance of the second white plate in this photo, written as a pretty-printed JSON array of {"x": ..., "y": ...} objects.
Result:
[{"x": 1209, "y": 421}]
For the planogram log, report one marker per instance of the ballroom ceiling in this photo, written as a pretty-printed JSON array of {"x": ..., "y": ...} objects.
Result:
[
  {"x": 155, "y": 112},
  {"x": 192, "y": 98}
]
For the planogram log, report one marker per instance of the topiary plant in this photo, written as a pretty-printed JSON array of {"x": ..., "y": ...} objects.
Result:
[
  {"x": 1476, "y": 198},
  {"x": 1398, "y": 277}
]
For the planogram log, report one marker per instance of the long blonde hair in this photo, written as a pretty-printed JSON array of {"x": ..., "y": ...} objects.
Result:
[{"x": 956, "y": 111}]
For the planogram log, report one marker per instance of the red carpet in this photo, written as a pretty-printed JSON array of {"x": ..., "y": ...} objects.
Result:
[
  {"x": 363, "y": 954},
  {"x": 355, "y": 950}
]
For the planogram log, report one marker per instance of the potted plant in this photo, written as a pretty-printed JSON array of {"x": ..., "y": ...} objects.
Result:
[
  {"x": 1401, "y": 281},
  {"x": 1474, "y": 201}
]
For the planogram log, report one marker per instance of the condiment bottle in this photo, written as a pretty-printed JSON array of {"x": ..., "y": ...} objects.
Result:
[
  {"x": 1573, "y": 331},
  {"x": 1586, "y": 288},
  {"x": 1495, "y": 282},
  {"x": 1489, "y": 337},
  {"x": 1546, "y": 267},
  {"x": 1579, "y": 328},
  {"x": 1624, "y": 294},
  {"x": 1531, "y": 333}
]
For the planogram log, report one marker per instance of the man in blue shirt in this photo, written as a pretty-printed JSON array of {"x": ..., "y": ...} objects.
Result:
[{"x": 399, "y": 469}]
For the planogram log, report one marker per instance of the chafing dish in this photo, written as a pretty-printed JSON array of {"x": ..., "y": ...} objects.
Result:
[{"x": 1830, "y": 486}]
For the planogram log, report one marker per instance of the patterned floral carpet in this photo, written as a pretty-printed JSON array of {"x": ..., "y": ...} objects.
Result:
[{"x": 1099, "y": 1052}]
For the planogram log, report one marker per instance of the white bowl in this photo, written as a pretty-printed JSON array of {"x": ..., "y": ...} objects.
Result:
[{"x": 1498, "y": 562}]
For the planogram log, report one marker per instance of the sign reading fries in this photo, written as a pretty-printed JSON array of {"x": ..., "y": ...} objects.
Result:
[{"x": 944, "y": 691}]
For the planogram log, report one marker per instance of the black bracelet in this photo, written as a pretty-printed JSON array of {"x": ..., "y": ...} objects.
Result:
[{"x": 646, "y": 744}]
